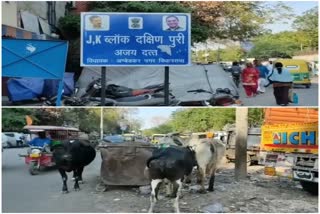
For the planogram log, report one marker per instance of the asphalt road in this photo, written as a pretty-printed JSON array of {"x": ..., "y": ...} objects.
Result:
[
  {"x": 307, "y": 96},
  {"x": 22, "y": 192}
]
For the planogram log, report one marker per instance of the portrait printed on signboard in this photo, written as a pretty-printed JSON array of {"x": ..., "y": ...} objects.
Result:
[
  {"x": 97, "y": 22},
  {"x": 135, "y": 23},
  {"x": 174, "y": 23}
]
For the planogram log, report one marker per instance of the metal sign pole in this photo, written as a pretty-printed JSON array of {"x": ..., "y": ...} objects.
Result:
[
  {"x": 101, "y": 123},
  {"x": 103, "y": 86},
  {"x": 166, "y": 85},
  {"x": 59, "y": 95}
]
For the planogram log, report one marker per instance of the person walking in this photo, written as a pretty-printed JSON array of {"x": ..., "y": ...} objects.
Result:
[
  {"x": 270, "y": 66},
  {"x": 263, "y": 73},
  {"x": 281, "y": 80},
  {"x": 250, "y": 76},
  {"x": 235, "y": 72}
]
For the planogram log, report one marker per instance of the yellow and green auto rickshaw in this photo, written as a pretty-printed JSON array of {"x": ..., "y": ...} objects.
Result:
[
  {"x": 299, "y": 70},
  {"x": 156, "y": 138}
]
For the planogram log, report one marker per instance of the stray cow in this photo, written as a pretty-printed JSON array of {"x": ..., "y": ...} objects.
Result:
[
  {"x": 72, "y": 155},
  {"x": 209, "y": 153},
  {"x": 172, "y": 164}
]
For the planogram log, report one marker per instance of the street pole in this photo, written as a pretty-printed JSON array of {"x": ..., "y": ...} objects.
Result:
[
  {"x": 101, "y": 123},
  {"x": 241, "y": 143},
  {"x": 206, "y": 51},
  {"x": 103, "y": 86},
  {"x": 166, "y": 85}
]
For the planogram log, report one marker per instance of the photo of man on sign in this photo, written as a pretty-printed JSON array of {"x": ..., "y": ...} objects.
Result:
[
  {"x": 174, "y": 23},
  {"x": 97, "y": 22}
]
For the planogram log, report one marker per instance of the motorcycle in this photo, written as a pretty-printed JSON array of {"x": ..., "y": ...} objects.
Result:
[
  {"x": 37, "y": 158},
  {"x": 115, "y": 96},
  {"x": 221, "y": 97}
]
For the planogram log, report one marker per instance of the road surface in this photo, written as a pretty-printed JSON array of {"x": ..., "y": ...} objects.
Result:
[{"x": 22, "y": 192}]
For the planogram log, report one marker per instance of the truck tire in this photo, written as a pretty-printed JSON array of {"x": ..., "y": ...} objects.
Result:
[{"x": 310, "y": 187}]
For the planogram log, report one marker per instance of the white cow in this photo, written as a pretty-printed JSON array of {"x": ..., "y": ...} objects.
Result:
[{"x": 209, "y": 153}]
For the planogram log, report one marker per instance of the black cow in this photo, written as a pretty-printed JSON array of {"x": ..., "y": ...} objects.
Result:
[
  {"x": 72, "y": 155},
  {"x": 172, "y": 164}
]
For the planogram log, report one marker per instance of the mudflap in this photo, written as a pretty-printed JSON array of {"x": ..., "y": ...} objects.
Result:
[{"x": 33, "y": 168}]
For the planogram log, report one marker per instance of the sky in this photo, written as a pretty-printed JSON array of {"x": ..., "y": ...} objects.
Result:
[
  {"x": 298, "y": 8},
  {"x": 146, "y": 114}
]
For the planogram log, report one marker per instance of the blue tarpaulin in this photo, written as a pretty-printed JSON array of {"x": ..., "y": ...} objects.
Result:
[
  {"x": 51, "y": 86},
  {"x": 29, "y": 88},
  {"x": 24, "y": 89}
]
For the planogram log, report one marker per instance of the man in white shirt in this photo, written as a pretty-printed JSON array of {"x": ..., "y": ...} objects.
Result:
[{"x": 97, "y": 23}]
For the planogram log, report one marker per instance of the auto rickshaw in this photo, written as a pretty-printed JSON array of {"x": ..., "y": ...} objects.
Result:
[
  {"x": 299, "y": 70},
  {"x": 156, "y": 137},
  {"x": 38, "y": 157}
]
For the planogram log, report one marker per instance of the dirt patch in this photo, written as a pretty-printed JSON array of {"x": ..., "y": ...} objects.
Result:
[{"x": 258, "y": 193}]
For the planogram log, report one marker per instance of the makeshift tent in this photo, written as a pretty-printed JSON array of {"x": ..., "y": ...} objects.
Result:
[{"x": 182, "y": 79}]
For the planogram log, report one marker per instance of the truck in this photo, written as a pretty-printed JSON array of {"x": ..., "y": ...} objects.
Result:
[
  {"x": 289, "y": 145},
  {"x": 253, "y": 143}
]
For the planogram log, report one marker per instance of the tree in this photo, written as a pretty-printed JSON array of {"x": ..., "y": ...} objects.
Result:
[
  {"x": 308, "y": 23},
  {"x": 200, "y": 120},
  {"x": 231, "y": 54},
  {"x": 163, "y": 129},
  {"x": 14, "y": 119},
  {"x": 235, "y": 20},
  {"x": 282, "y": 45},
  {"x": 255, "y": 117},
  {"x": 210, "y": 19},
  {"x": 113, "y": 116}
]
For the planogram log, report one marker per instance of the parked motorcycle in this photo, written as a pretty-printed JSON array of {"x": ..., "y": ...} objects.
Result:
[
  {"x": 116, "y": 95},
  {"x": 221, "y": 97},
  {"x": 37, "y": 158}
]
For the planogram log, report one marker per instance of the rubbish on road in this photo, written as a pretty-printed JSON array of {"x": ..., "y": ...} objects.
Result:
[{"x": 214, "y": 208}]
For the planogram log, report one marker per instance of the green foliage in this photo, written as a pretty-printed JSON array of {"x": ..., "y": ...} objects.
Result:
[
  {"x": 163, "y": 129},
  {"x": 112, "y": 117},
  {"x": 228, "y": 54},
  {"x": 245, "y": 20},
  {"x": 14, "y": 119},
  {"x": 308, "y": 23},
  {"x": 286, "y": 44},
  {"x": 70, "y": 25},
  {"x": 232, "y": 20},
  {"x": 202, "y": 119},
  {"x": 255, "y": 117},
  {"x": 283, "y": 44},
  {"x": 195, "y": 120},
  {"x": 86, "y": 119},
  {"x": 231, "y": 54}
]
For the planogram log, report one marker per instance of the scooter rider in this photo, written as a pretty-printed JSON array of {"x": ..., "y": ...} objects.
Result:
[{"x": 41, "y": 141}]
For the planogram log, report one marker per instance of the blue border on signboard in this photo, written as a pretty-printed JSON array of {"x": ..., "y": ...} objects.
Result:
[{"x": 101, "y": 49}]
